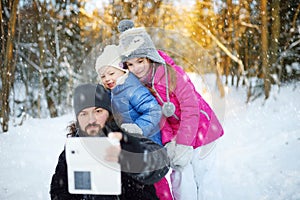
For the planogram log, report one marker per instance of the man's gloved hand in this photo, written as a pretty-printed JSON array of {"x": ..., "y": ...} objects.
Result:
[
  {"x": 180, "y": 155},
  {"x": 132, "y": 128}
]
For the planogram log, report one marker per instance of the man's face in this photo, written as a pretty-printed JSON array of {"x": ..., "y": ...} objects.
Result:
[{"x": 91, "y": 120}]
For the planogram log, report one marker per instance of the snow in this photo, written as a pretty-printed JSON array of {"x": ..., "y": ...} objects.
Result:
[{"x": 258, "y": 157}]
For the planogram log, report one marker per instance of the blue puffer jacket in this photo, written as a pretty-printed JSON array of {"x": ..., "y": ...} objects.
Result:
[{"x": 133, "y": 103}]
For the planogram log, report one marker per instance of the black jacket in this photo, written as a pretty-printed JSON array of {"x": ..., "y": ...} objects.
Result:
[{"x": 139, "y": 171}]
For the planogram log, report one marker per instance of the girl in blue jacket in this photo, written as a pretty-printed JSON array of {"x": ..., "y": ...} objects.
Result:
[{"x": 133, "y": 106}]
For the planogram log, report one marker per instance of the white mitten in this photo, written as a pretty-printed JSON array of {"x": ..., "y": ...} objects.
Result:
[
  {"x": 180, "y": 155},
  {"x": 170, "y": 146},
  {"x": 132, "y": 128}
]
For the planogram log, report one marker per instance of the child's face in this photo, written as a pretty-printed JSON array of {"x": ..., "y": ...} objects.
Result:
[
  {"x": 138, "y": 66},
  {"x": 109, "y": 76}
]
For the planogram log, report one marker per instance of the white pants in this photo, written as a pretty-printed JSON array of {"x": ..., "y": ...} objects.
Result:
[{"x": 199, "y": 179}]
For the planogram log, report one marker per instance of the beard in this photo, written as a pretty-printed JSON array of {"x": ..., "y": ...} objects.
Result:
[{"x": 91, "y": 133}]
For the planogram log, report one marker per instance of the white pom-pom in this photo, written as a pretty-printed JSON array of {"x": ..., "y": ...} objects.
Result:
[{"x": 125, "y": 24}]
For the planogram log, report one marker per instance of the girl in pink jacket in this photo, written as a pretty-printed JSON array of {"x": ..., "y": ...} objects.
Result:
[{"x": 189, "y": 126}]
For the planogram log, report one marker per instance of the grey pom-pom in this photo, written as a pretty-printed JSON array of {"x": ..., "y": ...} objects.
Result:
[{"x": 124, "y": 25}]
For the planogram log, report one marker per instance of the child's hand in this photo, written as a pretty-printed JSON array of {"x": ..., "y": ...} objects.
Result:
[
  {"x": 180, "y": 155},
  {"x": 132, "y": 128}
]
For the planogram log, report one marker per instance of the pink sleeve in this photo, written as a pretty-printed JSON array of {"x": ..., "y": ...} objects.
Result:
[{"x": 189, "y": 106}]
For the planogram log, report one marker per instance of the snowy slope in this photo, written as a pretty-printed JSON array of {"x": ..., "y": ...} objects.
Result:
[{"x": 258, "y": 157}]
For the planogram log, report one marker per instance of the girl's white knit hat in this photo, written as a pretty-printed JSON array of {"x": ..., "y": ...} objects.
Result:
[{"x": 111, "y": 56}]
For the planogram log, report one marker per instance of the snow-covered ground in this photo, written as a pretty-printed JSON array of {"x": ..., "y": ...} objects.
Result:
[{"x": 258, "y": 157}]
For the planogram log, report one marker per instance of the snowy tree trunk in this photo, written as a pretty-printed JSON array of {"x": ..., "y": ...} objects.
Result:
[
  {"x": 7, "y": 70},
  {"x": 264, "y": 47},
  {"x": 274, "y": 48},
  {"x": 42, "y": 59},
  {"x": 228, "y": 38},
  {"x": 219, "y": 75}
]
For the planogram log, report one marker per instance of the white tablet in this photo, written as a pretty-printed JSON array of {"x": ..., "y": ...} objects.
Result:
[{"x": 88, "y": 171}]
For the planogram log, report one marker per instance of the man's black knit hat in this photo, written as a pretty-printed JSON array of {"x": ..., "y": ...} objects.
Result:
[{"x": 90, "y": 95}]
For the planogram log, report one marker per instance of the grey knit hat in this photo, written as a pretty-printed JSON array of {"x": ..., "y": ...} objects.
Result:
[
  {"x": 136, "y": 43},
  {"x": 90, "y": 95}
]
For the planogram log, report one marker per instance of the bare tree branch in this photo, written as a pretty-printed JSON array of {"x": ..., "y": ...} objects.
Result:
[
  {"x": 250, "y": 25},
  {"x": 228, "y": 53}
]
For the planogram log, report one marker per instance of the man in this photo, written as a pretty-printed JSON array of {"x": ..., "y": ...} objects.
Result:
[{"x": 142, "y": 161}]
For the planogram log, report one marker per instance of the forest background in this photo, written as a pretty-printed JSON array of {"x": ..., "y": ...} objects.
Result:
[{"x": 48, "y": 47}]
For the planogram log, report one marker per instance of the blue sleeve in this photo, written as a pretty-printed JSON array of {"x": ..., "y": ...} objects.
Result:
[{"x": 150, "y": 111}]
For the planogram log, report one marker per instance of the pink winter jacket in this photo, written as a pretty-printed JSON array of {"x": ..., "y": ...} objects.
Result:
[{"x": 197, "y": 124}]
